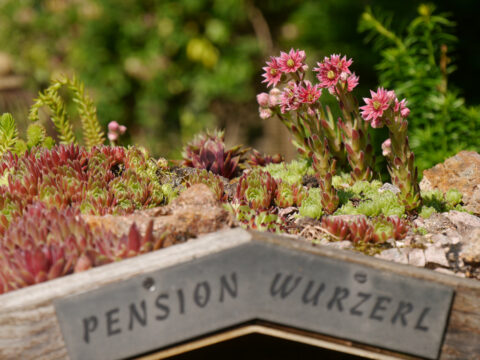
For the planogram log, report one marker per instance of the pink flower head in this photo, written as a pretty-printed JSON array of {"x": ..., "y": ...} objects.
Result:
[
  {"x": 122, "y": 129},
  {"x": 387, "y": 147},
  {"x": 308, "y": 94},
  {"x": 352, "y": 82},
  {"x": 113, "y": 126},
  {"x": 112, "y": 136},
  {"x": 330, "y": 70},
  {"x": 292, "y": 61},
  {"x": 263, "y": 99},
  {"x": 400, "y": 106},
  {"x": 289, "y": 98},
  {"x": 273, "y": 74},
  {"x": 375, "y": 107}
]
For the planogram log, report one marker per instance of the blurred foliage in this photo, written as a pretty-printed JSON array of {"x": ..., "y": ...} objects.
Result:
[
  {"x": 168, "y": 69},
  {"x": 153, "y": 64},
  {"x": 416, "y": 64}
]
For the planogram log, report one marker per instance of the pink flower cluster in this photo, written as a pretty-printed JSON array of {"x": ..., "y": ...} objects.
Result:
[
  {"x": 115, "y": 130},
  {"x": 290, "y": 62},
  {"x": 335, "y": 70},
  {"x": 379, "y": 103},
  {"x": 267, "y": 102},
  {"x": 294, "y": 95}
]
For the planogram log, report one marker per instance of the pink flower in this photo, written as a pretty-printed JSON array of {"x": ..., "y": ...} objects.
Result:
[
  {"x": 375, "y": 107},
  {"x": 113, "y": 126},
  {"x": 112, "y": 136},
  {"x": 387, "y": 147},
  {"x": 273, "y": 74},
  {"x": 292, "y": 61},
  {"x": 330, "y": 70},
  {"x": 263, "y": 99},
  {"x": 308, "y": 94},
  {"x": 352, "y": 82},
  {"x": 289, "y": 98},
  {"x": 400, "y": 106},
  {"x": 265, "y": 113},
  {"x": 275, "y": 97}
]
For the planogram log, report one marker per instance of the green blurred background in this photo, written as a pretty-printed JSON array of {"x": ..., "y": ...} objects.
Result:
[{"x": 169, "y": 69}]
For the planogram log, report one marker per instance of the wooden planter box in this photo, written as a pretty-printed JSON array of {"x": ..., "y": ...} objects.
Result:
[{"x": 234, "y": 282}]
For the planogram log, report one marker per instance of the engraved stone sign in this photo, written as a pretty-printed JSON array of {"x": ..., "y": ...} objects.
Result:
[{"x": 256, "y": 281}]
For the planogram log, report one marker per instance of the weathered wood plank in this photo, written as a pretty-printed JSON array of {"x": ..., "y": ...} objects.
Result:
[
  {"x": 462, "y": 339},
  {"x": 28, "y": 325},
  {"x": 29, "y": 328}
]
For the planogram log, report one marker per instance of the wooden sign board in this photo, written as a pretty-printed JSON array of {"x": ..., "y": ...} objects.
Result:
[
  {"x": 213, "y": 284},
  {"x": 256, "y": 280}
]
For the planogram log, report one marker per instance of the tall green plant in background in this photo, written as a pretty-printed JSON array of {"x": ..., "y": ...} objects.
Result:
[{"x": 416, "y": 64}]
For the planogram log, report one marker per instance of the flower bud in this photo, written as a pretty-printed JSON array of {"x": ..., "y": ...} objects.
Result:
[
  {"x": 112, "y": 136},
  {"x": 387, "y": 147},
  {"x": 122, "y": 129},
  {"x": 113, "y": 126},
  {"x": 263, "y": 99},
  {"x": 275, "y": 97},
  {"x": 265, "y": 113}
]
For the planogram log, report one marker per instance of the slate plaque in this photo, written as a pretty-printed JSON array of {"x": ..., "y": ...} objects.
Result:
[{"x": 256, "y": 281}]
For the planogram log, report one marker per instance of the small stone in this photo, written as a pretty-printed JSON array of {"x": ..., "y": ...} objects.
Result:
[
  {"x": 470, "y": 250},
  {"x": 463, "y": 221},
  {"x": 396, "y": 255},
  {"x": 416, "y": 257},
  {"x": 389, "y": 187},
  {"x": 198, "y": 194},
  {"x": 435, "y": 256}
]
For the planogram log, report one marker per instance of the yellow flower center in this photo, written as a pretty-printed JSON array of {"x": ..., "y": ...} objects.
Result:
[
  {"x": 273, "y": 72},
  {"x": 376, "y": 105},
  {"x": 331, "y": 75},
  {"x": 290, "y": 63}
]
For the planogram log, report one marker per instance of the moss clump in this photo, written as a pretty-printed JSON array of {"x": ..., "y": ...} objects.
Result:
[
  {"x": 290, "y": 173},
  {"x": 364, "y": 198},
  {"x": 311, "y": 205},
  {"x": 436, "y": 201}
]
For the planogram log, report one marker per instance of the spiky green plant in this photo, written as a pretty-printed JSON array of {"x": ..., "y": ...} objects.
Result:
[{"x": 51, "y": 98}]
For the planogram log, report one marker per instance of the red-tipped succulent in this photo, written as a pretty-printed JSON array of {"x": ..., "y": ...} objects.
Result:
[
  {"x": 257, "y": 159},
  {"x": 208, "y": 151},
  {"x": 257, "y": 189}
]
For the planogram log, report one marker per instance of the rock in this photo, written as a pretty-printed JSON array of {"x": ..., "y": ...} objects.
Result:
[
  {"x": 470, "y": 250},
  {"x": 396, "y": 255},
  {"x": 461, "y": 172},
  {"x": 389, "y": 187},
  {"x": 416, "y": 257},
  {"x": 196, "y": 195},
  {"x": 435, "y": 256},
  {"x": 441, "y": 240},
  {"x": 194, "y": 212},
  {"x": 464, "y": 222},
  {"x": 437, "y": 223}
]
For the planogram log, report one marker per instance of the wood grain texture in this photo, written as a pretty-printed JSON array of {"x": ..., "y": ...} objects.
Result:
[
  {"x": 29, "y": 328},
  {"x": 28, "y": 324}
]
